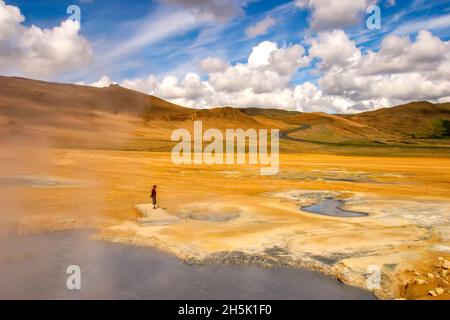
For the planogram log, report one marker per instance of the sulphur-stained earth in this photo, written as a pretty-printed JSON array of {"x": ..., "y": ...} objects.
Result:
[{"x": 231, "y": 214}]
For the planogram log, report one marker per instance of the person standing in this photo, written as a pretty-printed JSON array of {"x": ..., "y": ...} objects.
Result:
[{"x": 153, "y": 196}]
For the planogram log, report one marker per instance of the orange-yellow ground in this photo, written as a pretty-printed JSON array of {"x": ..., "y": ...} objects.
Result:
[{"x": 407, "y": 199}]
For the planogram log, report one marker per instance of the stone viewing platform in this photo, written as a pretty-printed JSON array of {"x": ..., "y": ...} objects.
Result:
[{"x": 147, "y": 216}]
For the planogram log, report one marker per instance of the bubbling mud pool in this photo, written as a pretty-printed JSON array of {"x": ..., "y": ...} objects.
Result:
[
  {"x": 34, "y": 267},
  {"x": 211, "y": 212}
]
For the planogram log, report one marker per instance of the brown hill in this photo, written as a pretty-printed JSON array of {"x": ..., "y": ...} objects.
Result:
[
  {"x": 417, "y": 123},
  {"x": 31, "y": 95},
  {"x": 114, "y": 117},
  {"x": 420, "y": 120},
  {"x": 66, "y": 114}
]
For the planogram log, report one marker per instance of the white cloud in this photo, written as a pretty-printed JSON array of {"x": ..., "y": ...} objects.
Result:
[
  {"x": 260, "y": 28},
  {"x": 191, "y": 87},
  {"x": 308, "y": 97},
  {"x": 10, "y": 20},
  {"x": 402, "y": 70},
  {"x": 104, "y": 81},
  {"x": 261, "y": 54},
  {"x": 268, "y": 68},
  {"x": 431, "y": 24},
  {"x": 221, "y": 10},
  {"x": 51, "y": 51},
  {"x": 32, "y": 51},
  {"x": 212, "y": 64},
  {"x": 331, "y": 14},
  {"x": 334, "y": 48},
  {"x": 349, "y": 80},
  {"x": 147, "y": 85},
  {"x": 162, "y": 25},
  {"x": 262, "y": 82},
  {"x": 399, "y": 55},
  {"x": 191, "y": 91}
]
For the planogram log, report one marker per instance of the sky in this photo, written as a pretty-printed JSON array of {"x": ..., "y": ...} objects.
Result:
[{"x": 332, "y": 56}]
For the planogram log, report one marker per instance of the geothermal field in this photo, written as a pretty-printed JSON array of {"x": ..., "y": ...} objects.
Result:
[{"x": 359, "y": 206}]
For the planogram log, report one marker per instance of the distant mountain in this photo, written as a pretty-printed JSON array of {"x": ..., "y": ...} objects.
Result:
[{"x": 67, "y": 115}]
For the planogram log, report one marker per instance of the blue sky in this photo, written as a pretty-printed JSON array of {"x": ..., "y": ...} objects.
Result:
[{"x": 132, "y": 40}]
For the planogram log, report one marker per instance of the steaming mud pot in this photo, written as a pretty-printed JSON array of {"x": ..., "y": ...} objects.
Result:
[
  {"x": 112, "y": 271},
  {"x": 211, "y": 212}
]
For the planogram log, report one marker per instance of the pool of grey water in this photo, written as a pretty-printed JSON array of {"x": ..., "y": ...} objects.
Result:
[
  {"x": 34, "y": 267},
  {"x": 332, "y": 207}
]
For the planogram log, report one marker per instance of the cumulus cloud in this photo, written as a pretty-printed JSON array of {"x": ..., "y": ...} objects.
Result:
[
  {"x": 260, "y": 28},
  {"x": 190, "y": 91},
  {"x": 268, "y": 68},
  {"x": 262, "y": 82},
  {"x": 10, "y": 20},
  {"x": 402, "y": 70},
  {"x": 331, "y": 14},
  {"x": 400, "y": 55},
  {"x": 33, "y": 51},
  {"x": 212, "y": 64},
  {"x": 220, "y": 10},
  {"x": 104, "y": 81},
  {"x": 334, "y": 49}
]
